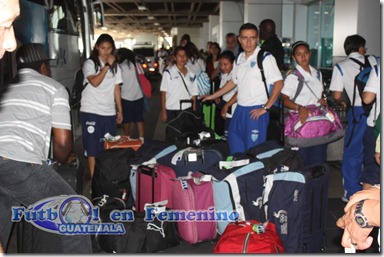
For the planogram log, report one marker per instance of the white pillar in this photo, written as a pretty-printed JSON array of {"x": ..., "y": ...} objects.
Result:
[
  {"x": 214, "y": 24},
  {"x": 257, "y": 10},
  {"x": 231, "y": 18}
]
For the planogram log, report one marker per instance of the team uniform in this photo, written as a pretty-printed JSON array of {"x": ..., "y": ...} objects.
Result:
[
  {"x": 132, "y": 98},
  {"x": 225, "y": 77},
  {"x": 313, "y": 80},
  {"x": 30, "y": 108},
  {"x": 343, "y": 77},
  {"x": 98, "y": 111},
  {"x": 245, "y": 132},
  {"x": 371, "y": 170},
  {"x": 172, "y": 83}
]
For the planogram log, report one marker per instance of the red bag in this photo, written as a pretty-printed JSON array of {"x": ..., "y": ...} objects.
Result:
[
  {"x": 249, "y": 237},
  {"x": 143, "y": 81}
]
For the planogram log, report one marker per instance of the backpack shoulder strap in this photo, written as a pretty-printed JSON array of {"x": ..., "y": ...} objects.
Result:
[
  {"x": 300, "y": 86},
  {"x": 260, "y": 57},
  {"x": 362, "y": 65}
]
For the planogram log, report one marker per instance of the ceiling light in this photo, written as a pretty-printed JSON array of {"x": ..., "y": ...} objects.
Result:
[
  {"x": 156, "y": 24},
  {"x": 151, "y": 17},
  {"x": 141, "y": 7},
  {"x": 104, "y": 28}
]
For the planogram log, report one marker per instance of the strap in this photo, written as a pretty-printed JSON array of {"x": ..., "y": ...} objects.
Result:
[
  {"x": 303, "y": 82},
  {"x": 138, "y": 80},
  {"x": 300, "y": 85},
  {"x": 181, "y": 75},
  {"x": 260, "y": 57}
]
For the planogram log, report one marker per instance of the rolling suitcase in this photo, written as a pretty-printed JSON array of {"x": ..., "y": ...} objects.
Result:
[
  {"x": 296, "y": 202},
  {"x": 153, "y": 184},
  {"x": 72, "y": 173},
  {"x": 194, "y": 194}
]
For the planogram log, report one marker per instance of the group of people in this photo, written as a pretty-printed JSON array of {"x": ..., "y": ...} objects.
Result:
[{"x": 33, "y": 105}]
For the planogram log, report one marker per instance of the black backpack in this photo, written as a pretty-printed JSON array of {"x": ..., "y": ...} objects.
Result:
[{"x": 112, "y": 172}]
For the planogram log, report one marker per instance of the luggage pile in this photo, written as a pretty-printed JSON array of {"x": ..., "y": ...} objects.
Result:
[{"x": 262, "y": 200}]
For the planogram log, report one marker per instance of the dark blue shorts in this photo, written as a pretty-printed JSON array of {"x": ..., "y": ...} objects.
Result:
[
  {"x": 94, "y": 127},
  {"x": 133, "y": 110}
]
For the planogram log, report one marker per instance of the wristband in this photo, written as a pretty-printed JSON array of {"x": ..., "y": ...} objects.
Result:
[{"x": 107, "y": 64}]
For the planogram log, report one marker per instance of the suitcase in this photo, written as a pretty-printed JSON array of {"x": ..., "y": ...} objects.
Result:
[
  {"x": 153, "y": 184},
  {"x": 249, "y": 237},
  {"x": 191, "y": 159},
  {"x": 72, "y": 173},
  {"x": 123, "y": 142},
  {"x": 193, "y": 194},
  {"x": 147, "y": 155},
  {"x": 296, "y": 202}
]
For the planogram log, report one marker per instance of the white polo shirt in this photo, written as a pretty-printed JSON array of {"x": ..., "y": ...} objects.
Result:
[
  {"x": 247, "y": 76},
  {"x": 345, "y": 78},
  {"x": 99, "y": 100},
  {"x": 172, "y": 83},
  {"x": 130, "y": 90},
  {"x": 225, "y": 77},
  {"x": 373, "y": 86},
  {"x": 305, "y": 97}
]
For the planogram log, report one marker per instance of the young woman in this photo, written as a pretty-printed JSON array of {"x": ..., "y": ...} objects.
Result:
[
  {"x": 311, "y": 94},
  {"x": 178, "y": 83},
  {"x": 228, "y": 103},
  {"x": 100, "y": 98},
  {"x": 132, "y": 97}
]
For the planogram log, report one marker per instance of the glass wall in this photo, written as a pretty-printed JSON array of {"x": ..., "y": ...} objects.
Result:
[{"x": 320, "y": 32}]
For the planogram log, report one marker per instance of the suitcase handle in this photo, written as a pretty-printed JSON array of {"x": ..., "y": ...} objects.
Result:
[{"x": 147, "y": 171}]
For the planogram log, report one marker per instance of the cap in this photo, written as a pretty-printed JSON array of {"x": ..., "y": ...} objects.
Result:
[
  {"x": 298, "y": 43},
  {"x": 31, "y": 52}
]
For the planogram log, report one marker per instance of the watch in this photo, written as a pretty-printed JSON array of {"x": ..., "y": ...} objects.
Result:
[
  {"x": 359, "y": 216},
  {"x": 265, "y": 108}
]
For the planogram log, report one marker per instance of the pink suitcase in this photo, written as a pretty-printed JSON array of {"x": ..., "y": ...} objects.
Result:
[
  {"x": 193, "y": 195},
  {"x": 153, "y": 184}
]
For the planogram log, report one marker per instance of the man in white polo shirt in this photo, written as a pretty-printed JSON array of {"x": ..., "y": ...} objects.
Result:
[{"x": 249, "y": 124}]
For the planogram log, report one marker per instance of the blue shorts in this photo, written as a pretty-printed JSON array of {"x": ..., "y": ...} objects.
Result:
[
  {"x": 132, "y": 110},
  {"x": 94, "y": 127},
  {"x": 245, "y": 132}
]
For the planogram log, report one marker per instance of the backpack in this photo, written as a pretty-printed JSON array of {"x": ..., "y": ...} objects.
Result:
[
  {"x": 362, "y": 78},
  {"x": 78, "y": 87}
]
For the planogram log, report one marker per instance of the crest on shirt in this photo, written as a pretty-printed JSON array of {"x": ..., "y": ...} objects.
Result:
[{"x": 253, "y": 63}]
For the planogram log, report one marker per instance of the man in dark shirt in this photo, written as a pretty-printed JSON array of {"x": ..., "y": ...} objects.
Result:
[{"x": 270, "y": 42}]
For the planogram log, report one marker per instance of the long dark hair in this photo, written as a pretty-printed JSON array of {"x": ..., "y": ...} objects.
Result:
[
  {"x": 193, "y": 52},
  {"x": 126, "y": 54},
  {"x": 95, "y": 53}
]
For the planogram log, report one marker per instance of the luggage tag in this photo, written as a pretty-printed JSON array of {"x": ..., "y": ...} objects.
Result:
[
  {"x": 193, "y": 155},
  {"x": 204, "y": 135},
  {"x": 232, "y": 164},
  {"x": 179, "y": 155}
]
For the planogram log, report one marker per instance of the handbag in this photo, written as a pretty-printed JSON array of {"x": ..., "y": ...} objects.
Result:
[
  {"x": 122, "y": 142},
  {"x": 145, "y": 85},
  {"x": 249, "y": 237},
  {"x": 203, "y": 83},
  {"x": 321, "y": 127}
]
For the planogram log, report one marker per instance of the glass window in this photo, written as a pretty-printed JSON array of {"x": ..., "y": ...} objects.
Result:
[{"x": 320, "y": 32}]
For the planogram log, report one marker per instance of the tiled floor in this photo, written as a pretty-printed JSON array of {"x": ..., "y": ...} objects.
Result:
[{"x": 154, "y": 129}]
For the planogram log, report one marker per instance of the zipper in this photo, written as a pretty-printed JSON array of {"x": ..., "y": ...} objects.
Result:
[{"x": 246, "y": 242}]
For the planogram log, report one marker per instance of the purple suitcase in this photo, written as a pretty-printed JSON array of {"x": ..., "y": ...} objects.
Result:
[
  {"x": 193, "y": 195},
  {"x": 153, "y": 184}
]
